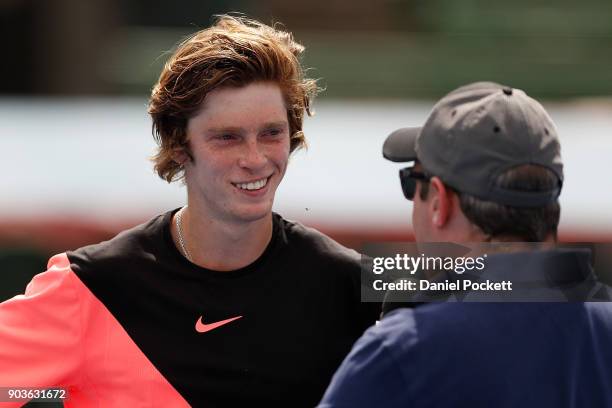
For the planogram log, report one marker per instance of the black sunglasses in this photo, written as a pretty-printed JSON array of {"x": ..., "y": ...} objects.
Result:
[{"x": 408, "y": 179}]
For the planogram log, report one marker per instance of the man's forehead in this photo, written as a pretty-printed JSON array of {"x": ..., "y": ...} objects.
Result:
[{"x": 253, "y": 105}]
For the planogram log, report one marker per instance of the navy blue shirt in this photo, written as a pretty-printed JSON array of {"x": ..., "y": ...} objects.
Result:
[{"x": 481, "y": 355}]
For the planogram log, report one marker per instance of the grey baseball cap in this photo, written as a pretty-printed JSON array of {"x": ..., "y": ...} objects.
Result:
[{"x": 477, "y": 132}]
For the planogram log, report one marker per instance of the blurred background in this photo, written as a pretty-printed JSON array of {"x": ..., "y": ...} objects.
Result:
[{"x": 75, "y": 137}]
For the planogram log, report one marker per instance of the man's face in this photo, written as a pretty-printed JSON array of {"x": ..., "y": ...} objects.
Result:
[{"x": 239, "y": 142}]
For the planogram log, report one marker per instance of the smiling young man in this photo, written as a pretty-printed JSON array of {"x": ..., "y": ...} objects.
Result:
[
  {"x": 221, "y": 303},
  {"x": 237, "y": 154}
]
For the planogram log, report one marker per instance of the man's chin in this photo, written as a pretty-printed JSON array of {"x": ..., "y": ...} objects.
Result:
[{"x": 254, "y": 214}]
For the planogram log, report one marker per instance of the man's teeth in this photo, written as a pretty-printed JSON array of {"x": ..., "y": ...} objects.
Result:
[{"x": 255, "y": 185}]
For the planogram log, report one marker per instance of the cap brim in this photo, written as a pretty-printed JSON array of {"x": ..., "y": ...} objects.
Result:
[{"x": 400, "y": 145}]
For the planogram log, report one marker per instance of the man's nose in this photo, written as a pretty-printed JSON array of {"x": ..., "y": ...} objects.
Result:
[{"x": 253, "y": 157}]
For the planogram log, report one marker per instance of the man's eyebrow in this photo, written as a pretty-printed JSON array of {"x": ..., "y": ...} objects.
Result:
[
  {"x": 235, "y": 129},
  {"x": 282, "y": 123},
  {"x": 228, "y": 129}
]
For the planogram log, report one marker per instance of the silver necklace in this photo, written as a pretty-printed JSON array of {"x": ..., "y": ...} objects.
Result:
[{"x": 179, "y": 229}]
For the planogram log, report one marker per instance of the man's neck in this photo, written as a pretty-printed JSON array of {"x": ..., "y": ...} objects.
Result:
[{"x": 220, "y": 244}]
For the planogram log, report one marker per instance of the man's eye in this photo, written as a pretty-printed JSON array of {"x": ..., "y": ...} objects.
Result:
[
  {"x": 226, "y": 137},
  {"x": 273, "y": 132}
]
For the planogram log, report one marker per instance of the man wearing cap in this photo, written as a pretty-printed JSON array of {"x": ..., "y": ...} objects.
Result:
[{"x": 486, "y": 167}]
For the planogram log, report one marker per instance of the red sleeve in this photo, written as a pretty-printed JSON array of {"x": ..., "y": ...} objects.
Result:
[
  {"x": 58, "y": 334},
  {"x": 41, "y": 331}
]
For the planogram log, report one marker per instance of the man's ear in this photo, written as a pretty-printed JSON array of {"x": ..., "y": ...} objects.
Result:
[
  {"x": 180, "y": 155},
  {"x": 441, "y": 203}
]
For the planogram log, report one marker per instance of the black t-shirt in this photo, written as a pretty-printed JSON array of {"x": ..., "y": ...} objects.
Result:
[{"x": 299, "y": 304}]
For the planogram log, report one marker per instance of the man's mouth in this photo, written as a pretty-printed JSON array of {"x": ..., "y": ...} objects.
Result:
[{"x": 253, "y": 185}]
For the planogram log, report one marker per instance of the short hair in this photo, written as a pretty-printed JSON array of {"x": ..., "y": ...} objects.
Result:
[
  {"x": 233, "y": 52},
  {"x": 531, "y": 224}
]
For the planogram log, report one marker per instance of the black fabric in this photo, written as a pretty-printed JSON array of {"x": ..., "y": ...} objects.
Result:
[{"x": 300, "y": 303}]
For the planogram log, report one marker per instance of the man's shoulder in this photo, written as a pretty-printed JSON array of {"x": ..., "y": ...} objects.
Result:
[
  {"x": 311, "y": 241},
  {"x": 427, "y": 324},
  {"x": 470, "y": 323},
  {"x": 138, "y": 242},
  {"x": 398, "y": 328}
]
